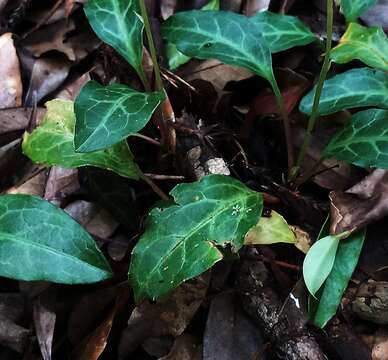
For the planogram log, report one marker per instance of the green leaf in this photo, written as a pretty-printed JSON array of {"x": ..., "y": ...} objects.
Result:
[
  {"x": 319, "y": 262},
  {"x": 228, "y": 37},
  {"x": 108, "y": 114},
  {"x": 331, "y": 293},
  {"x": 363, "y": 141},
  {"x": 181, "y": 241},
  {"x": 119, "y": 24},
  {"x": 282, "y": 32},
  {"x": 351, "y": 89},
  {"x": 352, "y": 9},
  {"x": 51, "y": 143},
  {"x": 370, "y": 45},
  {"x": 41, "y": 242},
  {"x": 174, "y": 56},
  {"x": 270, "y": 230}
]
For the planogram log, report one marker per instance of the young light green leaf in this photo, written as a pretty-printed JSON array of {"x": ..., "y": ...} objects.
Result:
[
  {"x": 282, "y": 32},
  {"x": 351, "y": 89},
  {"x": 270, "y": 230},
  {"x": 228, "y": 37},
  {"x": 106, "y": 115},
  {"x": 174, "y": 56},
  {"x": 118, "y": 23},
  {"x": 352, "y": 9},
  {"x": 180, "y": 241},
  {"x": 41, "y": 242},
  {"x": 363, "y": 141},
  {"x": 345, "y": 262},
  {"x": 319, "y": 262},
  {"x": 370, "y": 45},
  {"x": 51, "y": 143}
]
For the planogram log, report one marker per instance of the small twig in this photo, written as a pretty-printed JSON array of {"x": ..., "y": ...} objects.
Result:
[
  {"x": 178, "y": 78},
  {"x": 156, "y": 188},
  {"x": 45, "y": 19},
  {"x": 148, "y": 139},
  {"x": 164, "y": 177}
]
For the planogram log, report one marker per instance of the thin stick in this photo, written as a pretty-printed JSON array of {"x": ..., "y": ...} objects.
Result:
[
  {"x": 148, "y": 139},
  {"x": 318, "y": 91},
  {"x": 164, "y": 177},
  {"x": 156, "y": 188}
]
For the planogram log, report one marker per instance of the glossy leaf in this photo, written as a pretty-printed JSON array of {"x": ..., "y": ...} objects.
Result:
[
  {"x": 282, "y": 32},
  {"x": 352, "y": 9},
  {"x": 108, "y": 114},
  {"x": 181, "y": 241},
  {"x": 363, "y": 141},
  {"x": 226, "y": 36},
  {"x": 270, "y": 230},
  {"x": 41, "y": 242},
  {"x": 118, "y": 23},
  {"x": 51, "y": 143},
  {"x": 370, "y": 45},
  {"x": 331, "y": 293},
  {"x": 174, "y": 56},
  {"x": 351, "y": 89},
  {"x": 319, "y": 262}
]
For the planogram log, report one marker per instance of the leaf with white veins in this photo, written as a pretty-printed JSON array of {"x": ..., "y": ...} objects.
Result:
[
  {"x": 108, "y": 114},
  {"x": 41, "y": 242},
  {"x": 351, "y": 89},
  {"x": 180, "y": 241},
  {"x": 51, "y": 143}
]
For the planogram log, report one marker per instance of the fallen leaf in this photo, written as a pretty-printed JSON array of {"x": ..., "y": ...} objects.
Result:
[
  {"x": 44, "y": 320},
  {"x": 60, "y": 183},
  {"x": 170, "y": 315},
  {"x": 229, "y": 333},
  {"x": 10, "y": 79},
  {"x": 93, "y": 218},
  {"x": 185, "y": 347},
  {"x": 69, "y": 5},
  {"x": 34, "y": 185},
  {"x": 363, "y": 204},
  {"x": 303, "y": 239},
  {"x": 270, "y": 230},
  {"x": 16, "y": 119}
]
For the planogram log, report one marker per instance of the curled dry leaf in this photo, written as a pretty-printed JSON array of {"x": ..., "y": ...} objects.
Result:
[
  {"x": 364, "y": 203},
  {"x": 10, "y": 79}
]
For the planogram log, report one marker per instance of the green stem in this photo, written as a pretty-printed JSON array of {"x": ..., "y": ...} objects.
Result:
[
  {"x": 318, "y": 91},
  {"x": 151, "y": 45},
  {"x": 286, "y": 124}
]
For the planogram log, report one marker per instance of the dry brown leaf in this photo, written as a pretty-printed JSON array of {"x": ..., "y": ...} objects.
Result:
[
  {"x": 11, "y": 87},
  {"x": 93, "y": 218},
  {"x": 185, "y": 347},
  {"x": 16, "y": 119},
  {"x": 44, "y": 320},
  {"x": 34, "y": 185},
  {"x": 170, "y": 315},
  {"x": 61, "y": 182},
  {"x": 51, "y": 37},
  {"x": 364, "y": 203}
]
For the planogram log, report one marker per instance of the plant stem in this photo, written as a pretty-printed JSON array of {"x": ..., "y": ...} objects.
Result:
[
  {"x": 318, "y": 91},
  {"x": 286, "y": 124},
  {"x": 150, "y": 40},
  {"x": 155, "y": 188}
]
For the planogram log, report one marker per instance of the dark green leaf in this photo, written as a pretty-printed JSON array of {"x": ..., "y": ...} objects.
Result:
[
  {"x": 119, "y": 24},
  {"x": 351, "y": 89},
  {"x": 370, "y": 45},
  {"x": 174, "y": 56},
  {"x": 108, "y": 114},
  {"x": 52, "y": 144},
  {"x": 352, "y": 9},
  {"x": 228, "y": 37},
  {"x": 363, "y": 141},
  {"x": 319, "y": 262},
  {"x": 41, "y": 242},
  {"x": 181, "y": 240},
  {"x": 282, "y": 32},
  {"x": 331, "y": 293}
]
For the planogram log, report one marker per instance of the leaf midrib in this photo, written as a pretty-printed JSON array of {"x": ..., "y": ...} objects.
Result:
[{"x": 18, "y": 240}]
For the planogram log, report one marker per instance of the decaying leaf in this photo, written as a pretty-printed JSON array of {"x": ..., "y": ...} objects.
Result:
[
  {"x": 10, "y": 79},
  {"x": 364, "y": 203},
  {"x": 270, "y": 230}
]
